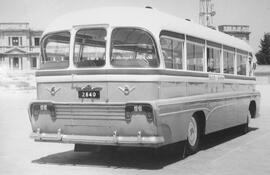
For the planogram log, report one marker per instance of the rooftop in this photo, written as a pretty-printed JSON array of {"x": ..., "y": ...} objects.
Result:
[
  {"x": 16, "y": 26},
  {"x": 146, "y": 18}
]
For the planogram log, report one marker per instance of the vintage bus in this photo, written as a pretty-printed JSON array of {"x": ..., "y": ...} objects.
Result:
[{"x": 126, "y": 76}]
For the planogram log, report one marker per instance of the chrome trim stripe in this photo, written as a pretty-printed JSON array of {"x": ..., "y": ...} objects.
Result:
[
  {"x": 135, "y": 78},
  {"x": 135, "y": 72},
  {"x": 169, "y": 107},
  {"x": 182, "y": 111}
]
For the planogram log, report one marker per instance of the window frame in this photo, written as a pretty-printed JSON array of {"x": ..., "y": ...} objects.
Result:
[
  {"x": 74, "y": 45},
  {"x": 204, "y": 54},
  {"x": 220, "y": 57},
  {"x": 43, "y": 54},
  {"x": 183, "y": 50},
  {"x": 138, "y": 28},
  {"x": 38, "y": 41},
  {"x": 234, "y": 55},
  {"x": 12, "y": 41},
  {"x": 243, "y": 56}
]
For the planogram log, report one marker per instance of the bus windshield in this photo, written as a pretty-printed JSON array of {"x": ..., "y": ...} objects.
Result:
[
  {"x": 132, "y": 48},
  {"x": 55, "y": 51}
]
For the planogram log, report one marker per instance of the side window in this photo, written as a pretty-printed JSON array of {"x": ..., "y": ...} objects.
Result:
[
  {"x": 36, "y": 41},
  {"x": 241, "y": 64},
  {"x": 172, "y": 50},
  {"x": 228, "y": 62},
  {"x": 213, "y": 59},
  {"x": 15, "y": 41},
  {"x": 195, "y": 54}
]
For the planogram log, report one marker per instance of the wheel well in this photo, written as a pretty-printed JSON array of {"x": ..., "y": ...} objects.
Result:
[
  {"x": 252, "y": 109},
  {"x": 200, "y": 117}
]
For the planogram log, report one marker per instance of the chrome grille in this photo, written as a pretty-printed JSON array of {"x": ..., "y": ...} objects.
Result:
[{"x": 90, "y": 111}]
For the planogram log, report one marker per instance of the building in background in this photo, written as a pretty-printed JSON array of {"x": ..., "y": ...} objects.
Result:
[
  {"x": 239, "y": 31},
  {"x": 19, "y": 46}
]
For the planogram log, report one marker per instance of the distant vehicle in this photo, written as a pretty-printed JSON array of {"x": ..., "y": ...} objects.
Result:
[{"x": 139, "y": 77}]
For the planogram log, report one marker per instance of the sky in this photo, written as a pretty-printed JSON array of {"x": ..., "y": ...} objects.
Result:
[{"x": 39, "y": 13}]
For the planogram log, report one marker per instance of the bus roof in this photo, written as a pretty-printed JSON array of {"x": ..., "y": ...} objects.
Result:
[{"x": 146, "y": 18}]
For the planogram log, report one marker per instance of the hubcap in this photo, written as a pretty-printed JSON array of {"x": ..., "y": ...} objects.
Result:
[{"x": 192, "y": 132}]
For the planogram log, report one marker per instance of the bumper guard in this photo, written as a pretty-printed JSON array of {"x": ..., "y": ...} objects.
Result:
[{"x": 98, "y": 140}]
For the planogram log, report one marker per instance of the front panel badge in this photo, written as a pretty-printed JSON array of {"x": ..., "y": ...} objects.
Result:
[
  {"x": 53, "y": 90},
  {"x": 126, "y": 90}
]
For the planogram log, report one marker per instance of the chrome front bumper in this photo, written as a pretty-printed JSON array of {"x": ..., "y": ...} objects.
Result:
[{"x": 99, "y": 140}]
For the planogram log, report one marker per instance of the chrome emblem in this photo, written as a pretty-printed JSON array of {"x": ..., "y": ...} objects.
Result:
[
  {"x": 53, "y": 90},
  {"x": 88, "y": 88},
  {"x": 127, "y": 89}
]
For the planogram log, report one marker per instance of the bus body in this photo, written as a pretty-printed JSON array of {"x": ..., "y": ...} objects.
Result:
[{"x": 136, "y": 77}]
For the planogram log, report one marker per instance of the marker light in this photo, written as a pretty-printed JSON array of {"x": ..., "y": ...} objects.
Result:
[
  {"x": 132, "y": 109},
  {"x": 37, "y": 108}
]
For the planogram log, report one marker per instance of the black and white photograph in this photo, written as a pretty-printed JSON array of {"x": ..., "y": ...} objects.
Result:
[{"x": 125, "y": 87}]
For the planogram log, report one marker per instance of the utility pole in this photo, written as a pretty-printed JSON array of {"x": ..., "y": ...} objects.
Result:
[{"x": 206, "y": 13}]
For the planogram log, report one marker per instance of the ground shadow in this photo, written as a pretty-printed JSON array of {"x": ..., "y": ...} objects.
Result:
[
  {"x": 136, "y": 158},
  {"x": 223, "y": 136}
]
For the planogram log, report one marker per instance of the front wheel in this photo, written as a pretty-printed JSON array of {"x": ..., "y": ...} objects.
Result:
[{"x": 193, "y": 135}]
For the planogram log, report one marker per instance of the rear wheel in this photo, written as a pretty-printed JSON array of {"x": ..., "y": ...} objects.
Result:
[
  {"x": 245, "y": 127},
  {"x": 193, "y": 135}
]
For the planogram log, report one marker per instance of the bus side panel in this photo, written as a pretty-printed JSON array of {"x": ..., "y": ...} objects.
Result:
[
  {"x": 242, "y": 111},
  {"x": 233, "y": 113},
  {"x": 172, "y": 89},
  {"x": 223, "y": 114},
  {"x": 197, "y": 88},
  {"x": 174, "y": 116},
  {"x": 257, "y": 100},
  {"x": 173, "y": 126}
]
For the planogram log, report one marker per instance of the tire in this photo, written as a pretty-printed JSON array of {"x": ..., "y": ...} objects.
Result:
[
  {"x": 245, "y": 127},
  {"x": 193, "y": 135}
]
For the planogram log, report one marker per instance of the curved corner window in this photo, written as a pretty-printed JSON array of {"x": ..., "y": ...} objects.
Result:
[
  {"x": 132, "y": 47},
  {"x": 241, "y": 64},
  {"x": 55, "y": 51},
  {"x": 90, "y": 47}
]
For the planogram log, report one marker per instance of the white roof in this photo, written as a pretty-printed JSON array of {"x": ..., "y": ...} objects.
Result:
[{"x": 149, "y": 19}]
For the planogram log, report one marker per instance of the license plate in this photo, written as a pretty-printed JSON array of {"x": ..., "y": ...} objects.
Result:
[{"x": 89, "y": 94}]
